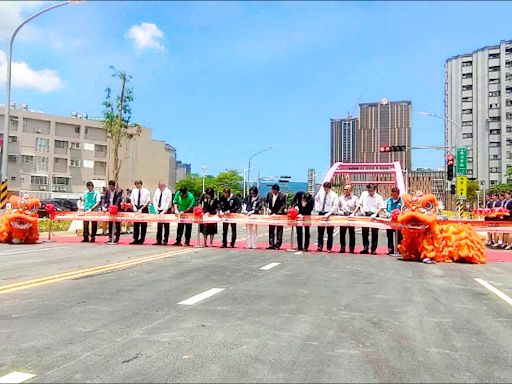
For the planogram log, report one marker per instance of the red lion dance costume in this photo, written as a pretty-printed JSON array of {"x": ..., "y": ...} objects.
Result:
[
  {"x": 425, "y": 237},
  {"x": 18, "y": 224}
]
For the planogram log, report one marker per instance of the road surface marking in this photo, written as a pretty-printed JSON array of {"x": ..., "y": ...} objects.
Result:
[
  {"x": 16, "y": 377},
  {"x": 202, "y": 296},
  {"x": 298, "y": 253},
  {"x": 87, "y": 272},
  {"x": 494, "y": 290},
  {"x": 269, "y": 266},
  {"x": 34, "y": 249}
]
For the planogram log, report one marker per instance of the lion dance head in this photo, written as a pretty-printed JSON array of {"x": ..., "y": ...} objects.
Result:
[
  {"x": 425, "y": 237},
  {"x": 18, "y": 224}
]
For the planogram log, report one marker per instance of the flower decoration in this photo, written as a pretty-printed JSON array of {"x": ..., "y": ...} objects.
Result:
[
  {"x": 113, "y": 210},
  {"x": 292, "y": 214},
  {"x": 198, "y": 212},
  {"x": 50, "y": 210},
  {"x": 127, "y": 207}
]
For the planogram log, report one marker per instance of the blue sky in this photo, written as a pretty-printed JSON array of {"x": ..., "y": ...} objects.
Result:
[{"x": 222, "y": 80}]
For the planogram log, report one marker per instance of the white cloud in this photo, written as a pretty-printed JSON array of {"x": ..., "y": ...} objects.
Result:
[
  {"x": 12, "y": 13},
  {"x": 146, "y": 35},
  {"x": 44, "y": 80}
]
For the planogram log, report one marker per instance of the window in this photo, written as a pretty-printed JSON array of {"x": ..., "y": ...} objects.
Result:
[
  {"x": 41, "y": 164},
  {"x": 494, "y": 170},
  {"x": 467, "y": 123},
  {"x": 467, "y": 111},
  {"x": 42, "y": 145},
  {"x": 467, "y": 63},
  {"x": 494, "y": 55},
  {"x": 39, "y": 180},
  {"x": 86, "y": 131},
  {"x": 470, "y": 172},
  {"x": 509, "y": 116},
  {"x": 494, "y": 131},
  {"x": 88, "y": 164},
  {"x": 509, "y": 141},
  {"x": 467, "y": 99},
  {"x": 508, "y": 103},
  {"x": 494, "y": 144},
  {"x": 74, "y": 163},
  {"x": 495, "y": 68},
  {"x": 13, "y": 139},
  {"x": 494, "y": 81},
  {"x": 88, "y": 147},
  {"x": 469, "y": 160},
  {"x": 494, "y": 106},
  {"x": 27, "y": 159},
  {"x": 77, "y": 129},
  {"x": 508, "y": 90},
  {"x": 509, "y": 128},
  {"x": 60, "y": 144},
  {"x": 12, "y": 158},
  {"x": 60, "y": 180},
  {"x": 75, "y": 145},
  {"x": 508, "y": 63},
  {"x": 494, "y": 118},
  {"x": 467, "y": 135},
  {"x": 494, "y": 93},
  {"x": 100, "y": 148},
  {"x": 494, "y": 157},
  {"x": 467, "y": 75},
  {"x": 467, "y": 87}
]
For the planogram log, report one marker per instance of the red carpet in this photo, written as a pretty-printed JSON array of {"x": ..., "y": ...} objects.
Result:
[{"x": 493, "y": 255}]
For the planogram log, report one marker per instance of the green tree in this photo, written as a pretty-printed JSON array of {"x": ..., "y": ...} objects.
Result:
[
  {"x": 471, "y": 191},
  {"x": 117, "y": 119},
  {"x": 228, "y": 179},
  {"x": 193, "y": 183},
  {"x": 498, "y": 188}
]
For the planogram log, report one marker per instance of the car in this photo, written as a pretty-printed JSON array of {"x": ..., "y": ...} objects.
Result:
[{"x": 60, "y": 206}]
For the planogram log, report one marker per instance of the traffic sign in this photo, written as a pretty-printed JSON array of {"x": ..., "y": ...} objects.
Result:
[
  {"x": 462, "y": 187},
  {"x": 462, "y": 161}
]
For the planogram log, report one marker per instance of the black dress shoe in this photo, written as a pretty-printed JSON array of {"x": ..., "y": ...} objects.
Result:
[
  {"x": 157, "y": 243},
  {"x": 270, "y": 247},
  {"x": 116, "y": 240},
  {"x": 134, "y": 242},
  {"x": 223, "y": 246},
  {"x": 364, "y": 252},
  {"x": 187, "y": 244},
  {"x": 164, "y": 242},
  {"x": 93, "y": 239},
  {"x": 352, "y": 251},
  {"x": 177, "y": 243},
  {"x": 342, "y": 250},
  {"x": 232, "y": 245},
  {"x": 374, "y": 252},
  {"x": 85, "y": 241},
  {"x": 306, "y": 249}
]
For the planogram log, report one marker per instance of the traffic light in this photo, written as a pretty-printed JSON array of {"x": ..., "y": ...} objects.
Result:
[
  {"x": 393, "y": 148},
  {"x": 452, "y": 189},
  {"x": 450, "y": 161}
]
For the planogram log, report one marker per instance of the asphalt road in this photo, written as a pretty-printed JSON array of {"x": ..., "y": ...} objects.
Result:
[{"x": 311, "y": 318}]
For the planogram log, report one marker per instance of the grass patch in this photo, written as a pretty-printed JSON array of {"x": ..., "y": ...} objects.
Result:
[{"x": 57, "y": 226}]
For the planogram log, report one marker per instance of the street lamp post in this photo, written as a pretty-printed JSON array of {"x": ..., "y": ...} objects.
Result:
[
  {"x": 249, "y": 167},
  {"x": 7, "y": 115},
  {"x": 204, "y": 168}
]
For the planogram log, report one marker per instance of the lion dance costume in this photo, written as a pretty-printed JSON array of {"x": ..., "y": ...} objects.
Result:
[
  {"x": 18, "y": 224},
  {"x": 425, "y": 237}
]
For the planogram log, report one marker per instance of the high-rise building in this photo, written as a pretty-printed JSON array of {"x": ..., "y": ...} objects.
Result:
[
  {"x": 54, "y": 156},
  {"x": 478, "y": 110},
  {"x": 386, "y": 123},
  {"x": 343, "y": 139}
]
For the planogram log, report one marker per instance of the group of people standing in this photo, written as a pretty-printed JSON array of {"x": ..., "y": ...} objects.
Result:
[
  {"x": 325, "y": 203},
  {"x": 499, "y": 200}
]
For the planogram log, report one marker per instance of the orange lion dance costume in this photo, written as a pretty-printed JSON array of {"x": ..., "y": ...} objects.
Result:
[
  {"x": 425, "y": 237},
  {"x": 18, "y": 224}
]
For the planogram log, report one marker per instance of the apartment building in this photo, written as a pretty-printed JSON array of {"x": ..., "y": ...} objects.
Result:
[
  {"x": 478, "y": 108},
  {"x": 54, "y": 156},
  {"x": 182, "y": 170},
  {"x": 343, "y": 139}
]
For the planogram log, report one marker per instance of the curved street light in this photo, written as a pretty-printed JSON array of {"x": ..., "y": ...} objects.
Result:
[
  {"x": 8, "y": 86},
  {"x": 249, "y": 167},
  {"x": 445, "y": 119}
]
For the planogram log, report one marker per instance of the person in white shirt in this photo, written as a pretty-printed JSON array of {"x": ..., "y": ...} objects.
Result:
[
  {"x": 326, "y": 204},
  {"x": 348, "y": 204},
  {"x": 162, "y": 201},
  {"x": 370, "y": 204},
  {"x": 140, "y": 198}
]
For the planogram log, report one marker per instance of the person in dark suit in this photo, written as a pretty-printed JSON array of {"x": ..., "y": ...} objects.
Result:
[
  {"x": 305, "y": 204},
  {"x": 229, "y": 203},
  {"x": 276, "y": 203},
  {"x": 113, "y": 196}
]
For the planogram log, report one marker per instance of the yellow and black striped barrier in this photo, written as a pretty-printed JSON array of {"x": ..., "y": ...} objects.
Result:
[{"x": 3, "y": 194}]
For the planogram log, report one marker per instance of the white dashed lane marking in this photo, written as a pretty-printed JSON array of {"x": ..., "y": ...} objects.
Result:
[
  {"x": 494, "y": 290},
  {"x": 200, "y": 297},
  {"x": 269, "y": 266},
  {"x": 16, "y": 377}
]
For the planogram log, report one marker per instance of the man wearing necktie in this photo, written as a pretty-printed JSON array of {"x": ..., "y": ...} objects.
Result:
[
  {"x": 140, "y": 198},
  {"x": 162, "y": 200},
  {"x": 326, "y": 204}
]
